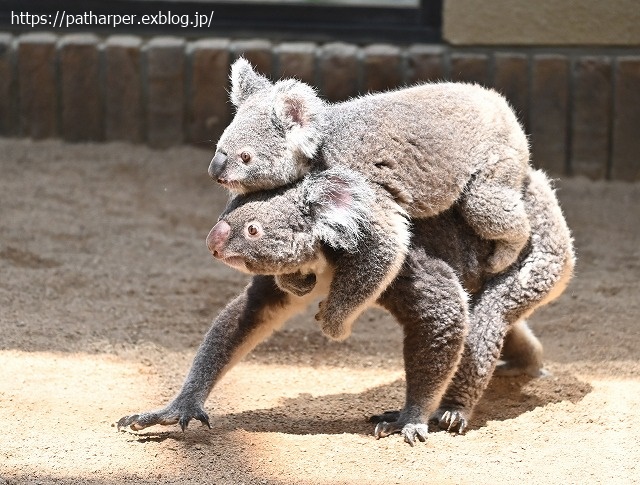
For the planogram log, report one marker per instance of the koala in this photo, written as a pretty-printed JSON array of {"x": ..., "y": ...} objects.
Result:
[
  {"x": 458, "y": 317},
  {"x": 423, "y": 148},
  {"x": 332, "y": 209}
]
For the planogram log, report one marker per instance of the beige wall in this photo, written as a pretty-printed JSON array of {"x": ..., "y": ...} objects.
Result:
[{"x": 542, "y": 22}]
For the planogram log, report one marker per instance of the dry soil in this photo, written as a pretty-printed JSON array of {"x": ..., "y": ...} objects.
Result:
[{"x": 106, "y": 288}]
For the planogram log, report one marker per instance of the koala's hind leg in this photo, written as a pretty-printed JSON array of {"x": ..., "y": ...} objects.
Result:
[
  {"x": 430, "y": 304},
  {"x": 540, "y": 275},
  {"x": 482, "y": 347},
  {"x": 495, "y": 211},
  {"x": 521, "y": 353}
]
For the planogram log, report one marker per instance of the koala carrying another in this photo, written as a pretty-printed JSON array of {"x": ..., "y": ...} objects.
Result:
[
  {"x": 458, "y": 318},
  {"x": 423, "y": 148}
]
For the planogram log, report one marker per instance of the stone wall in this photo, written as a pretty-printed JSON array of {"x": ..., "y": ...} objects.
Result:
[{"x": 581, "y": 107}]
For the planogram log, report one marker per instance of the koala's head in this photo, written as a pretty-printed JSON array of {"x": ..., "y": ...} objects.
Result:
[
  {"x": 282, "y": 231},
  {"x": 274, "y": 135}
]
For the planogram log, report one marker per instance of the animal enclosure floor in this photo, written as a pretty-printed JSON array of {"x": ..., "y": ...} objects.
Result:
[{"x": 106, "y": 289}]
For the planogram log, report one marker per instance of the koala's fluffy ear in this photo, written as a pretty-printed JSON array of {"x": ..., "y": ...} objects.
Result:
[
  {"x": 245, "y": 81},
  {"x": 340, "y": 203},
  {"x": 300, "y": 111}
]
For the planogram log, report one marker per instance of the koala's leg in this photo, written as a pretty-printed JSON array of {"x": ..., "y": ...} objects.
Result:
[
  {"x": 360, "y": 277},
  {"x": 482, "y": 347},
  {"x": 521, "y": 353},
  {"x": 539, "y": 276},
  {"x": 492, "y": 205},
  {"x": 430, "y": 304},
  {"x": 241, "y": 325}
]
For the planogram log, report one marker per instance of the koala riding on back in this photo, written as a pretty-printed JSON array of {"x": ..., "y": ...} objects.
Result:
[
  {"x": 457, "y": 317},
  {"x": 422, "y": 149}
]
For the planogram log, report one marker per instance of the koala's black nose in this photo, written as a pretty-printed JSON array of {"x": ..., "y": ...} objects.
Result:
[{"x": 217, "y": 165}]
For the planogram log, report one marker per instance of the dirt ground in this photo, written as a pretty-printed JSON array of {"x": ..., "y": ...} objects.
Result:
[{"x": 106, "y": 289}]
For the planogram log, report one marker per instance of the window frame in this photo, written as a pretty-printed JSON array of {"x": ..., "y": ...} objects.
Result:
[{"x": 277, "y": 21}]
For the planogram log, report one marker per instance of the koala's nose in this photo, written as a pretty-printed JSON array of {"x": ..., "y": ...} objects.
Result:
[
  {"x": 217, "y": 166},
  {"x": 217, "y": 238}
]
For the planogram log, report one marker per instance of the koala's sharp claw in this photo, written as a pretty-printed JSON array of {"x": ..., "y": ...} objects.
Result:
[
  {"x": 203, "y": 418},
  {"x": 412, "y": 431},
  {"x": 127, "y": 421},
  {"x": 451, "y": 420},
  {"x": 409, "y": 439},
  {"x": 184, "y": 422},
  {"x": 384, "y": 429}
]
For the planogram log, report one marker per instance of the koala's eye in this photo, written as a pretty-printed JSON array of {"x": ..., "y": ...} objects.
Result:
[
  {"x": 245, "y": 157},
  {"x": 253, "y": 230}
]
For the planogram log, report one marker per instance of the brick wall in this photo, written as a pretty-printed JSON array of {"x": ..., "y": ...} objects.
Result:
[{"x": 580, "y": 107}]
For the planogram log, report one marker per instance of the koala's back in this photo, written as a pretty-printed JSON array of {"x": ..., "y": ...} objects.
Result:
[
  {"x": 550, "y": 250},
  {"x": 423, "y": 144}
]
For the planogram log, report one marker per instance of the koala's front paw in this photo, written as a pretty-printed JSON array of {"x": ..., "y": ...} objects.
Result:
[
  {"x": 180, "y": 411},
  {"x": 331, "y": 322},
  {"x": 451, "y": 419},
  {"x": 296, "y": 283}
]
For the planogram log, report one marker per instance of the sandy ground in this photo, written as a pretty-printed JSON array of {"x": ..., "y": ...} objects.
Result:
[{"x": 106, "y": 288}]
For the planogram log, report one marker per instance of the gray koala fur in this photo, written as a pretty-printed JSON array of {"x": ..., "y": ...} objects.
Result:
[
  {"x": 457, "y": 317},
  {"x": 334, "y": 209},
  {"x": 423, "y": 148}
]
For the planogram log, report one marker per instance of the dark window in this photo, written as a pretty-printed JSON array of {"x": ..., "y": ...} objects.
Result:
[{"x": 319, "y": 20}]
